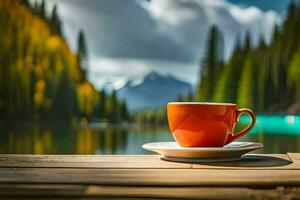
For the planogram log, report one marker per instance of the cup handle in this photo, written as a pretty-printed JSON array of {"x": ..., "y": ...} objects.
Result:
[{"x": 239, "y": 112}]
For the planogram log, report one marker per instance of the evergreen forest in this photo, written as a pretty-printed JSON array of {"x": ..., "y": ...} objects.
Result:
[
  {"x": 265, "y": 77},
  {"x": 40, "y": 77}
]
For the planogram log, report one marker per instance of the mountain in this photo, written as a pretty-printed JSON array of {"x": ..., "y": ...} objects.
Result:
[{"x": 152, "y": 91}]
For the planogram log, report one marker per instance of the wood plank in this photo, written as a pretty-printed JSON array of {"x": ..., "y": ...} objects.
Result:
[
  {"x": 260, "y": 162},
  {"x": 254, "y": 162},
  {"x": 295, "y": 157},
  {"x": 42, "y": 189},
  {"x": 90, "y": 161},
  {"x": 195, "y": 192},
  {"x": 163, "y": 177},
  {"x": 57, "y": 190},
  {"x": 32, "y": 158},
  {"x": 131, "y": 176}
]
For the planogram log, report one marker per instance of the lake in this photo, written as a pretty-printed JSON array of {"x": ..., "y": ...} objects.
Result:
[{"x": 279, "y": 134}]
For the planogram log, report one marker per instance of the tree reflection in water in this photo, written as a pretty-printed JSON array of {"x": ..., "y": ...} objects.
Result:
[
  {"x": 37, "y": 141},
  {"x": 41, "y": 139},
  {"x": 62, "y": 140},
  {"x": 101, "y": 141},
  {"x": 86, "y": 142}
]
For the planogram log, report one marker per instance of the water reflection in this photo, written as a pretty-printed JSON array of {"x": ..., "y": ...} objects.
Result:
[
  {"x": 112, "y": 141},
  {"x": 103, "y": 139},
  {"x": 86, "y": 141},
  {"x": 280, "y": 143},
  {"x": 28, "y": 141}
]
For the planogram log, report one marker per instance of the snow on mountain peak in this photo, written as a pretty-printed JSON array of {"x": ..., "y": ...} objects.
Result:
[{"x": 152, "y": 91}]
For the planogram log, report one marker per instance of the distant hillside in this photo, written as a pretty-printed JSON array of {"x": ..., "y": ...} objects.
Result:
[
  {"x": 152, "y": 91},
  {"x": 40, "y": 78}
]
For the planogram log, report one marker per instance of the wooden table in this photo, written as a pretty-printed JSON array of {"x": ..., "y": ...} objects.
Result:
[{"x": 274, "y": 176}]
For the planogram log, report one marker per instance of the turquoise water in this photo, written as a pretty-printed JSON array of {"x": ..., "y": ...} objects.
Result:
[
  {"x": 278, "y": 134},
  {"x": 286, "y": 125}
]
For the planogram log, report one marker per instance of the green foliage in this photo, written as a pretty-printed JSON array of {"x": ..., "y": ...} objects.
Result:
[
  {"x": 190, "y": 96},
  {"x": 247, "y": 43},
  {"x": 102, "y": 104},
  {"x": 64, "y": 100},
  {"x": 187, "y": 98},
  {"x": 179, "y": 98},
  {"x": 40, "y": 78},
  {"x": 113, "y": 108},
  {"x": 264, "y": 78},
  {"x": 211, "y": 65},
  {"x": 42, "y": 10},
  {"x": 55, "y": 22},
  {"x": 82, "y": 51},
  {"x": 222, "y": 93},
  {"x": 124, "y": 114},
  {"x": 245, "y": 91},
  {"x": 25, "y": 2},
  {"x": 159, "y": 115},
  {"x": 153, "y": 116},
  {"x": 294, "y": 73},
  {"x": 39, "y": 9}
]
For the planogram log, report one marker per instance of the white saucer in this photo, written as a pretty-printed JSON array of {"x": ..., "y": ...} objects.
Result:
[{"x": 173, "y": 152}]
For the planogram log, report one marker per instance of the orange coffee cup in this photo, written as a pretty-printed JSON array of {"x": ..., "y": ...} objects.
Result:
[{"x": 196, "y": 124}]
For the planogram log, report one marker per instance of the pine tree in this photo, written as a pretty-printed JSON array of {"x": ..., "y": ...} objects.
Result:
[
  {"x": 247, "y": 43},
  {"x": 64, "y": 99},
  {"x": 211, "y": 65},
  {"x": 262, "y": 43},
  {"x": 227, "y": 83},
  {"x": 276, "y": 33},
  {"x": 261, "y": 65},
  {"x": 124, "y": 111},
  {"x": 102, "y": 104},
  {"x": 82, "y": 51},
  {"x": 39, "y": 76},
  {"x": 190, "y": 96},
  {"x": 264, "y": 78},
  {"x": 245, "y": 92},
  {"x": 42, "y": 10},
  {"x": 179, "y": 98},
  {"x": 113, "y": 110},
  {"x": 55, "y": 22},
  {"x": 35, "y": 7},
  {"x": 269, "y": 88},
  {"x": 26, "y": 3},
  {"x": 294, "y": 75}
]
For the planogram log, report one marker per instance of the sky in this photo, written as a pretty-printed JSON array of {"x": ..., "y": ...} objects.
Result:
[{"x": 128, "y": 38}]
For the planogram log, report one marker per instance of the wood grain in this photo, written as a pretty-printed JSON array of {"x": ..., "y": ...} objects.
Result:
[
  {"x": 295, "y": 157},
  {"x": 183, "y": 177},
  {"x": 129, "y": 176},
  {"x": 58, "y": 190},
  {"x": 89, "y": 161},
  {"x": 254, "y": 162},
  {"x": 259, "y": 162}
]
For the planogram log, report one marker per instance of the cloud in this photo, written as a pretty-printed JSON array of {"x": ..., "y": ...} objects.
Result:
[
  {"x": 176, "y": 14},
  {"x": 118, "y": 28},
  {"x": 246, "y": 15},
  {"x": 116, "y": 71},
  {"x": 188, "y": 21},
  {"x": 257, "y": 21},
  {"x": 128, "y": 37}
]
